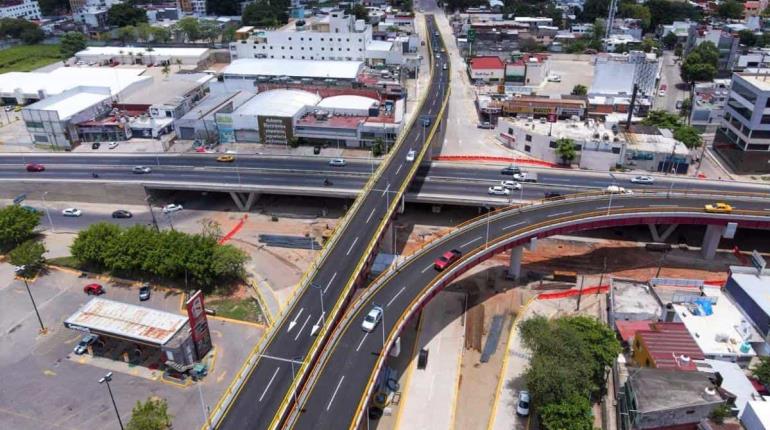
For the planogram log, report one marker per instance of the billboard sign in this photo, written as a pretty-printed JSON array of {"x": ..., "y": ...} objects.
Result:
[{"x": 199, "y": 324}]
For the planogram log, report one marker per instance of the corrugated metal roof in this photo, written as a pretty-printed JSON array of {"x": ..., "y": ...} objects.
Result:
[
  {"x": 131, "y": 321},
  {"x": 479, "y": 63},
  {"x": 665, "y": 342}
]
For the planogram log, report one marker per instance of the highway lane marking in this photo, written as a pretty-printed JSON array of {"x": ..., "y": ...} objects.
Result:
[
  {"x": 470, "y": 241},
  {"x": 394, "y": 297},
  {"x": 370, "y": 216},
  {"x": 385, "y": 190},
  {"x": 362, "y": 341},
  {"x": 514, "y": 225},
  {"x": 294, "y": 321},
  {"x": 557, "y": 214},
  {"x": 662, "y": 206},
  {"x": 399, "y": 168},
  {"x": 427, "y": 267},
  {"x": 330, "y": 282},
  {"x": 303, "y": 327},
  {"x": 610, "y": 207},
  {"x": 335, "y": 392},
  {"x": 269, "y": 383},
  {"x": 352, "y": 245}
]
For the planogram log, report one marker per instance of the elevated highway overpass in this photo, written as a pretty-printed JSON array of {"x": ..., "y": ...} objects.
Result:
[{"x": 338, "y": 390}]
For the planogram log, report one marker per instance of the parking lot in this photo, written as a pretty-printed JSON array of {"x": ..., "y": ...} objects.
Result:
[{"x": 45, "y": 385}]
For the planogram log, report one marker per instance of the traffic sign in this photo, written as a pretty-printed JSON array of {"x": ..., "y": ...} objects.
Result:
[{"x": 471, "y": 35}]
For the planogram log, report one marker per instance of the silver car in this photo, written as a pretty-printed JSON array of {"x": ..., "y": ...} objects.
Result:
[{"x": 141, "y": 169}]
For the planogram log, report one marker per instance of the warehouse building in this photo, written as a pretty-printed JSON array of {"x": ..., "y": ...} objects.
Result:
[
  {"x": 246, "y": 74},
  {"x": 143, "y": 55}
]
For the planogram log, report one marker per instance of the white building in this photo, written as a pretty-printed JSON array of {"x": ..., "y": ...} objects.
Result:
[
  {"x": 143, "y": 55},
  {"x": 615, "y": 41},
  {"x": 27, "y": 9},
  {"x": 337, "y": 37},
  {"x": 616, "y": 74},
  {"x": 244, "y": 74},
  {"x": 91, "y": 17},
  {"x": 708, "y": 106},
  {"x": 756, "y": 415}
]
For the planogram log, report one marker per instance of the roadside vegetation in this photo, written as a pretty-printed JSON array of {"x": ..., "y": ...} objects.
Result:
[
  {"x": 150, "y": 415},
  {"x": 682, "y": 132},
  {"x": 246, "y": 309},
  {"x": 18, "y": 239},
  {"x": 570, "y": 358},
  {"x": 25, "y": 58}
]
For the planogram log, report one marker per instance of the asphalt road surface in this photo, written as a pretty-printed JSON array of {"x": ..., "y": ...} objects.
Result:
[
  {"x": 333, "y": 398},
  {"x": 268, "y": 384}
]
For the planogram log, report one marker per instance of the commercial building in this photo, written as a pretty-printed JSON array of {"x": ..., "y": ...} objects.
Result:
[
  {"x": 666, "y": 346},
  {"x": 659, "y": 399},
  {"x": 708, "y": 107},
  {"x": 92, "y": 19},
  {"x": 529, "y": 70},
  {"x": 139, "y": 333},
  {"x": 743, "y": 137},
  {"x": 245, "y": 74},
  {"x": 336, "y": 36},
  {"x": 616, "y": 74},
  {"x": 201, "y": 122},
  {"x": 26, "y": 9},
  {"x": 756, "y": 415},
  {"x": 487, "y": 69},
  {"x": 749, "y": 290},
  {"x": 143, "y": 55}
]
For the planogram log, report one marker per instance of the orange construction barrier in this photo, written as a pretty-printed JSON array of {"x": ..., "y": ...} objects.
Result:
[
  {"x": 516, "y": 160},
  {"x": 235, "y": 230},
  {"x": 569, "y": 293}
]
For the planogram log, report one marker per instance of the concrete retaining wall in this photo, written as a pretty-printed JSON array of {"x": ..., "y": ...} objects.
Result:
[{"x": 78, "y": 192}]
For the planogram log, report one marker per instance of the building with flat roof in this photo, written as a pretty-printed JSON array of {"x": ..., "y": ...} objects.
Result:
[
  {"x": 143, "y": 55},
  {"x": 629, "y": 300},
  {"x": 656, "y": 399},
  {"x": 734, "y": 383},
  {"x": 245, "y": 74},
  {"x": 750, "y": 289},
  {"x": 756, "y": 415},
  {"x": 201, "y": 122},
  {"x": 720, "y": 329},
  {"x": 167, "y": 98},
  {"x": 25, "y": 9},
  {"x": 708, "y": 107},
  {"x": 487, "y": 69},
  {"x": 139, "y": 325},
  {"x": 666, "y": 346}
]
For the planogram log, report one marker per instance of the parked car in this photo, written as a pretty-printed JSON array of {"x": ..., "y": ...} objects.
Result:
[
  {"x": 144, "y": 292},
  {"x": 498, "y": 190},
  {"x": 522, "y": 406},
  {"x": 719, "y": 207},
  {"x": 9, "y": 108},
  {"x": 485, "y": 124},
  {"x": 74, "y": 212},
  {"x": 141, "y": 169},
  {"x": 511, "y": 185},
  {"x": 337, "y": 162},
  {"x": 372, "y": 319},
  {"x": 171, "y": 207},
  {"x": 447, "y": 259},
  {"x": 122, "y": 213},
  {"x": 93, "y": 289},
  {"x": 226, "y": 158},
  {"x": 31, "y": 209},
  {"x": 95, "y": 145},
  {"x": 645, "y": 180},
  {"x": 511, "y": 170},
  {"x": 554, "y": 78},
  {"x": 35, "y": 167},
  {"x": 82, "y": 346},
  {"x": 112, "y": 145},
  {"x": 410, "y": 155}
]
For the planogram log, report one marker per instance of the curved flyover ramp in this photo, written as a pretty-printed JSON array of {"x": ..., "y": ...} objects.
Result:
[{"x": 337, "y": 391}]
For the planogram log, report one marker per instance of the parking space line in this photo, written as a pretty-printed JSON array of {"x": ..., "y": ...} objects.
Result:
[{"x": 269, "y": 383}]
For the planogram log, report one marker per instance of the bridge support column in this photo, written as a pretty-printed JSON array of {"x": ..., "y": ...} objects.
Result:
[
  {"x": 401, "y": 205},
  {"x": 711, "y": 241},
  {"x": 661, "y": 237},
  {"x": 514, "y": 269},
  {"x": 436, "y": 209},
  {"x": 244, "y": 201}
]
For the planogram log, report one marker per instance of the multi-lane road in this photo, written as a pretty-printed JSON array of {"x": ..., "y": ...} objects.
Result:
[{"x": 353, "y": 354}]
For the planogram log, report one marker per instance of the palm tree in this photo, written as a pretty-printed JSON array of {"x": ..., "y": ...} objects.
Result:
[{"x": 166, "y": 70}]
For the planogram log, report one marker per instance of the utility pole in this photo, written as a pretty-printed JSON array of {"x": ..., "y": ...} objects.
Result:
[
  {"x": 148, "y": 199},
  {"x": 20, "y": 272},
  {"x": 106, "y": 380}
]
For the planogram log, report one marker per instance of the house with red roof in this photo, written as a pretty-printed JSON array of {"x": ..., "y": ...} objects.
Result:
[
  {"x": 666, "y": 345},
  {"x": 487, "y": 69}
]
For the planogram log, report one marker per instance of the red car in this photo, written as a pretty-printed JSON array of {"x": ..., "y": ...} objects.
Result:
[
  {"x": 447, "y": 259},
  {"x": 34, "y": 167},
  {"x": 93, "y": 289}
]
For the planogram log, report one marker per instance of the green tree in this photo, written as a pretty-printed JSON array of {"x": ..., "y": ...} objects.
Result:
[
  {"x": 761, "y": 370},
  {"x": 54, "y": 7},
  {"x": 123, "y": 14},
  {"x": 160, "y": 35},
  {"x": 209, "y": 31},
  {"x": 31, "y": 36},
  {"x": 228, "y": 34},
  {"x": 748, "y": 37},
  {"x": 689, "y": 136},
  {"x": 593, "y": 9},
  {"x": 636, "y": 11},
  {"x": 662, "y": 119},
  {"x": 30, "y": 255},
  {"x": 669, "y": 40},
  {"x": 730, "y": 9},
  {"x": 91, "y": 244},
  {"x": 701, "y": 63},
  {"x": 649, "y": 44},
  {"x": 666, "y": 11},
  {"x": 686, "y": 107},
  {"x": 71, "y": 43},
  {"x": 600, "y": 27},
  {"x": 573, "y": 413},
  {"x": 17, "y": 224},
  {"x": 266, "y": 13},
  {"x": 127, "y": 34},
  {"x": 223, "y": 7},
  {"x": 227, "y": 262},
  {"x": 678, "y": 50},
  {"x": 360, "y": 11},
  {"x": 719, "y": 413},
  {"x": 579, "y": 90},
  {"x": 144, "y": 32},
  {"x": 190, "y": 27},
  {"x": 565, "y": 148},
  {"x": 378, "y": 147},
  {"x": 150, "y": 415},
  {"x": 166, "y": 70}
]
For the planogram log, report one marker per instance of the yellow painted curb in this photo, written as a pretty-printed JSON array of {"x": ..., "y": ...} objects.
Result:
[
  {"x": 503, "y": 369},
  {"x": 458, "y": 379}
]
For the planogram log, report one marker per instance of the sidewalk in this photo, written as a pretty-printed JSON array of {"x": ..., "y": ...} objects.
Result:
[{"x": 434, "y": 388}]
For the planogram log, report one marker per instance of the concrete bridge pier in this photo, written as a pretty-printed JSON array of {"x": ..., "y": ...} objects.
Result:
[
  {"x": 657, "y": 236},
  {"x": 244, "y": 201},
  {"x": 402, "y": 205},
  {"x": 712, "y": 237},
  {"x": 514, "y": 269}
]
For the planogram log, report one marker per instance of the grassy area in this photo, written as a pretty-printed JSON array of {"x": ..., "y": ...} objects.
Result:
[
  {"x": 28, "y": 57},
  {"x": 238, "y": 309},
  {"x": 68, "y": 261}
]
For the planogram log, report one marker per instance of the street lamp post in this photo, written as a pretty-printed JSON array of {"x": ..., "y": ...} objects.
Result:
[
  {"x": 48, "y": 213},
  {"x": 20, "y": 271},
  {"x": 489, "y": 213},
  {"x": 148, "y": 199},
  {"x": 106, "y": 380},
  {"x": 204, "y": 408}
]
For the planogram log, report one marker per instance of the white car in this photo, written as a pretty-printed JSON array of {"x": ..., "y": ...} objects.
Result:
[
  {"x": 614, "y": 189},
  {"x": 72, "y": 212},
  {"x": 662, "y": 93},
  {"x": 141, "y": 169},
  {"x": 554, "y": 78},
  {"x": 522, "y": 406},
  {"x": 372, "y": 319},
  {"x": 498, "y": 190},
  {"x": 112, "y": 145},
  {"x": 172, "y": 207},
  {"x": 520, "y": 176},
  {"x": 511, "y": 185},
  {"x": 337, "y": 162},
  {"x": 410, "y": 155},
  {"x": 646, "y": 180}
]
